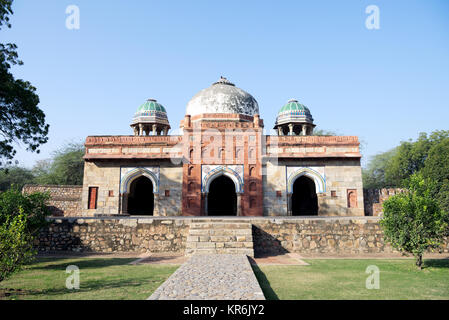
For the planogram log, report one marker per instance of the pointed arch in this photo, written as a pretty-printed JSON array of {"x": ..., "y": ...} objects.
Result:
[
  {"x": 126, "y": 181},
  {"x": 222, "y": 171},
  {"x": 320, "y": 182}
]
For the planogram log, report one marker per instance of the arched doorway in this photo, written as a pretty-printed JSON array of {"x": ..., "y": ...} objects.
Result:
[
  {"x": 222, "y": 199},
  {"x": 141, "y": 197},
  {"x": 304, "y": 198}
]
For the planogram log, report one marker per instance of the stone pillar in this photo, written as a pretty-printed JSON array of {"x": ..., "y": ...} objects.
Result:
[
  {"x": 206, "y": 207},
  {"x": 289, "y": 204},
  {"x": 280, "y": 133},
  {"x": 304, "y": 130},
  {"x": 239, "y": 205},
  {"x": 124, "y": 199},
  {"x": 290, "y": 128},
  {"x": 156, "y": 207},
  {"x": 136, "y": 130},
  {"x": 165, "y": 131},
  {"x": 140, "y": 129},
  {"x": 154, "y": 129}
]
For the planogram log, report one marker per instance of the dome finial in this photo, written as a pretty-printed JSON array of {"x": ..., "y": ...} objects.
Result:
[{"x": 223, "y": 80}]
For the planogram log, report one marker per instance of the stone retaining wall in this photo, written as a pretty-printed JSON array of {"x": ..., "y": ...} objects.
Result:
[
  {"x": 65, "y": 199},
  {"x": 349, "y": 235},
  {"x": 114, "y": 235}
]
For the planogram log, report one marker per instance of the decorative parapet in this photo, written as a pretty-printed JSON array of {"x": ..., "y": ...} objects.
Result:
[
  {"x": 312, "y": 146},
  {"x": 166, "y": 147},
  {"x": 132, "y": 147}
]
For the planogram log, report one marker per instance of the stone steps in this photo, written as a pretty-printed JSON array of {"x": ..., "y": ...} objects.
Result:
[{"x": 220, "y": 237}]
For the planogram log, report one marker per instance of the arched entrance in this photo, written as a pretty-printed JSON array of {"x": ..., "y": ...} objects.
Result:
[
  {"x": 222, "y": 198},
  {"x": 304, "y": 197},
  {"x": 141, "y": 197}
]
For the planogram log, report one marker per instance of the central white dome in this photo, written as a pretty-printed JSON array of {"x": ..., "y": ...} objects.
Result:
[{"x": 222, "y": 97}]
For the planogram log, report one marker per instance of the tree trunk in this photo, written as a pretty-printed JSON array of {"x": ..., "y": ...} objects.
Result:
[{"x": 419, "y": 261}]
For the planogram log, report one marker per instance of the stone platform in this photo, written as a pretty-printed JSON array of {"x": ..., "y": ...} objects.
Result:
[
  {"x": 212, "y": 236},
  {"x": 211, "y": 277}
]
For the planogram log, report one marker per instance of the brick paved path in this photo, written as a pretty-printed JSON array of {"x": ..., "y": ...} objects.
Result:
[{"x": 211, "y": 277}]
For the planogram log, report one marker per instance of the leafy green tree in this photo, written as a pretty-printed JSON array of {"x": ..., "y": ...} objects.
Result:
[
  {"x": 436, "y": 168},
  {"x": 21, "y": 120},
  {"x": 411, "y": 156},
  {"x": 32, "y": 206},
  {"x": 394, "y": 167},
  {"x": 374, "y": 175},
  {"x": 413, "y": 221},
  {"x": 15, "y": 177},
  {"x": 66, "y": 167},
  {"x": 16, "y": 245}
]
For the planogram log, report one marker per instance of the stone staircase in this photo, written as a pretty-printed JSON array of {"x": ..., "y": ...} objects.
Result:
[{"x": 215, "y": 236}]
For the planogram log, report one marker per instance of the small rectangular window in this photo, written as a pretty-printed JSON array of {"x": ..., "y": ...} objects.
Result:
[
  {"x": 167, "y": 193},
  {"x": 333, "y": 193},
  {"x": 111, "y": 193},
  {"x": 93, "y": 194}
]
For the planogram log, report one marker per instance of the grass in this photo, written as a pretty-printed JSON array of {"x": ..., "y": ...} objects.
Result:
[
  {"x": 345, "y": 279},
  {"x": 100, "y": 278},
  {"x": 114, "y": 278}
]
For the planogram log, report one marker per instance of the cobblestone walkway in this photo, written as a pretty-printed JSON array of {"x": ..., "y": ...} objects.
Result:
[{"x": 211, "y": 277}]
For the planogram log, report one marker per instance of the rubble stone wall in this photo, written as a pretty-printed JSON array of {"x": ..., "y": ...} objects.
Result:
[
  {"x": 322, "y": 235},
  {"x": 65, "y": 200}
]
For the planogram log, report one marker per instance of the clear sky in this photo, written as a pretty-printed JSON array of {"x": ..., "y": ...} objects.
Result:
[{"x": 384, "y": 85}]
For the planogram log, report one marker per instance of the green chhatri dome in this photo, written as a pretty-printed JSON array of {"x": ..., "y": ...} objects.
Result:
[
  {"x": 151, "y": 105},
  {"x": 151, "y": 112},
  {"x": 294, "y": 112},
  {"x": 294, "y": 105}
]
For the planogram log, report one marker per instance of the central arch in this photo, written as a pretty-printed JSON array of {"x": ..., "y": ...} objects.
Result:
[
  {"x": 222, "y": 197},
  {"x": 304, "y": 197},
  {"x": 141, "y": 197}
]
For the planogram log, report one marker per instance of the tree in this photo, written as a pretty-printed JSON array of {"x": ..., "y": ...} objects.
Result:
[
  {"x": 436, "y": 169},
  {"x": 15, "y": 177},
  {"x": 394, "y": 167},
  {"x": 21, "y": 218},
  {"x": 66, "y": 167},
  {"x": 32, "y": 206},
  {"x": 16, "y": 247},
  {"x": 411, "y": 156},
  {"x": 413, "y": 221},
  {"x": 374, "y": 175},
  {"x": 21, "y": 120}
]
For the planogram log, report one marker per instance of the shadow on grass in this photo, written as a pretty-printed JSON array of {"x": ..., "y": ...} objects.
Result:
[
  {"x": 95, "y": 286},
  {"x": 264, "y": 284},
  {"x": 436, "y": 263},
  {"x": 81, "y": 263}
]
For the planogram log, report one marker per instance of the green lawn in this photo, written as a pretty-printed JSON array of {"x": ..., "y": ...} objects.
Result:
[
  {"x": 114, "y": 278},
  {"x": 345, "y": 279},
  {"x": 100, "y": 278}
]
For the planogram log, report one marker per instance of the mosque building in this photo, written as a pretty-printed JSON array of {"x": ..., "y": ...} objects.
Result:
[{"x": 222, "y": 163}]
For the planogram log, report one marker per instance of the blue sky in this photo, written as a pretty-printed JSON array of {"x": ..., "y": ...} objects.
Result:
[{"x": 383, "y": 85}]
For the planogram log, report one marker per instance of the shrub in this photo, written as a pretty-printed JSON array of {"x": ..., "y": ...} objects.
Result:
[
  {"x": 16, "y": 248},
  {"x": 413, "y": 222},
  {"x": 32, "y": 206}
]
